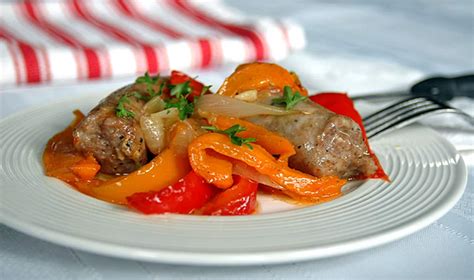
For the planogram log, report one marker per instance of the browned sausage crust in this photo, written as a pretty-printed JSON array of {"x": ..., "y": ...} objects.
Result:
[
  {"x": 326, "y": 143},
  {"x": 116, "y": 142}
]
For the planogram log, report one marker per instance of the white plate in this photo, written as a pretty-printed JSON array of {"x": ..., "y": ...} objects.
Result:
[{"x": 428, "y": 177}]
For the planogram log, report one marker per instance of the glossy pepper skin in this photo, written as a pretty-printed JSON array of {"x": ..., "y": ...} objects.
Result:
[
  {"x": 260, "y": 76},
  {"x": 217, "y": 167},
  {"x": 183, "y": 197},
  {"x": 240, "y": 199},
  {"x": 164, "y": 170},
  {"x": 274, "y": 143},
  {"x": 196, "y": 87}
]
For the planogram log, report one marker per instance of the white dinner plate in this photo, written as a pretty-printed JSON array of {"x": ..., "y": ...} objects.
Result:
[{"x": 427, "y": 177}]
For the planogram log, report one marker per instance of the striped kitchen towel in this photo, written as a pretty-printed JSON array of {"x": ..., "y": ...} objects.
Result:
[{"x": 56, "y": 41}]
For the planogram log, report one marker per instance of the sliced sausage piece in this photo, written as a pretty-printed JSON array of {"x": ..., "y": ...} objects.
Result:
[
  {"x": 326, "y": 143},
  {"x": 116, "y": 142}
]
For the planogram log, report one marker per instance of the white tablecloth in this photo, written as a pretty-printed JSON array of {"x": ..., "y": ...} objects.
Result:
[{"x": 355, "y": 46}]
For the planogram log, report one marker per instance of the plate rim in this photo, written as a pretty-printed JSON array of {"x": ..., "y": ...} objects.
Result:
[{"x": 235, "y": 259}]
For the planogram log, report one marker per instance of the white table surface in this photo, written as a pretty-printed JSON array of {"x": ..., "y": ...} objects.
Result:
[{"x": 355, "y": 46}]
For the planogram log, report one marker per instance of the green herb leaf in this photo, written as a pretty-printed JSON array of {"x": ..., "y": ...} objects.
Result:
[
  {"x": 180, "y": 90},
  {"x": 162, "y": 87},
  {"x": 185, "y": 108},
  {"x": 205, "y": 89},
  {"x": 138, "y": 95},
  {"x": 179, "y": 101},
  {"x": 147, "y": 79},
  {"x": 289, "y": 99},
  {"x": 121, "y": 111},
  {"x": 231, "y": 132},
  {"x": 150, "y": 82}
]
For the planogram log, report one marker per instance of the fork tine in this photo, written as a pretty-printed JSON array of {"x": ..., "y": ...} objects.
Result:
[
  {"x": 407, "y": 112},
  {"x": 388, "y": 118},
  {"x": 405, "y": 120},
  {"x": 394, "y": 107}
]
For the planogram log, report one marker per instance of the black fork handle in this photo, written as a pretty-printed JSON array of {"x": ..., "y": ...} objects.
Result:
[
  {"x": 444, "y": 88},
  {"x": 439, "y": 88}
]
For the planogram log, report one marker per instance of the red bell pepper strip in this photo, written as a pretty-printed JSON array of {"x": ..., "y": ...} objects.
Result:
[
  {"x": 240, "y": 199},
  {"x": 183, "y": 197},
  {"x": 197, "y": 87},
  {"x": 341, "y": 104}
]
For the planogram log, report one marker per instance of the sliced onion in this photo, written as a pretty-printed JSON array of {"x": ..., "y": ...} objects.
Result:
[
  {"x": 267, "y": 96},
  {"x": 153, "y": 133},
  {"x": 308, "y": 107},
  {"x": 249, "y": 95},
  {"x": 242, "y": 169},
  {"x": 155, "y": 127},
  {"x": 186, "y": 136},
  {"x": 232, "y": 107},
  {"x": 156, "y": 104}
]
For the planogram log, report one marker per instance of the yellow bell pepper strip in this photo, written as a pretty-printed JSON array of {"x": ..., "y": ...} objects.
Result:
[
  {"x": 270, "y": 141},
  {"x": 218, "y": 170},
  {"x": 260, "y": 76},
  {"x": 164, "y": 170}
]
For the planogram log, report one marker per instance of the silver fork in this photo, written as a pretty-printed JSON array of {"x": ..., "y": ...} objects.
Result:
[{"x": 406, "y": 112}]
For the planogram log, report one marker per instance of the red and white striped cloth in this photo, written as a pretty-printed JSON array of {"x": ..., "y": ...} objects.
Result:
[{"x": 51, "y": 41}]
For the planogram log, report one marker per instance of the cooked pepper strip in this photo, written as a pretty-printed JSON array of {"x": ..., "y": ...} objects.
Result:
[
  {"x": 87, "y": 168},
  {"x": 164, "y": 170},
  {"x": 183, "y": 197},
  {"x": 240, "y": 199},
  {"x": 218, "y": 170},
  {"x": 260, "y": 76},
  {"x": 197, "y": 88},
  {"x": 270, "y": 141}
]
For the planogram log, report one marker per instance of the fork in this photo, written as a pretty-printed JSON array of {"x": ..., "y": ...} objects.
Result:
[{"x": 406, "y": 112}]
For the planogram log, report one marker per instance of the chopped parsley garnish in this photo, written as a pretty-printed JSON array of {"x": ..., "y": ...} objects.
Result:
[
  {"x": 289, "y": 99},
  {"x": 150, "y": 82},
  {"x": 140, "y": 96},
  {"x": 185, "y": 108},
  {"x": 205, "y": 89},
  {"x": 231, "y": 132},
  {"x": 147, "y": 79},
  {"x": 121, "y": 111},
  {"x": 179, "y": 100},
  {"x": 162, "y": 86},
  {"x": 179, "y": 90},
  {"x": 179, "y": 96}
]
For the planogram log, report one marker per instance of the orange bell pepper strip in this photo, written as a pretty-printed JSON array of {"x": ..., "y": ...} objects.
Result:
[
  {"x": 260, "y": 76},
  {"x": 270, "y": 141},
  {"x": 164, "y": 170},
  {"x": 218, "y": 170},
  {"x": 87, "y": 168}
]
